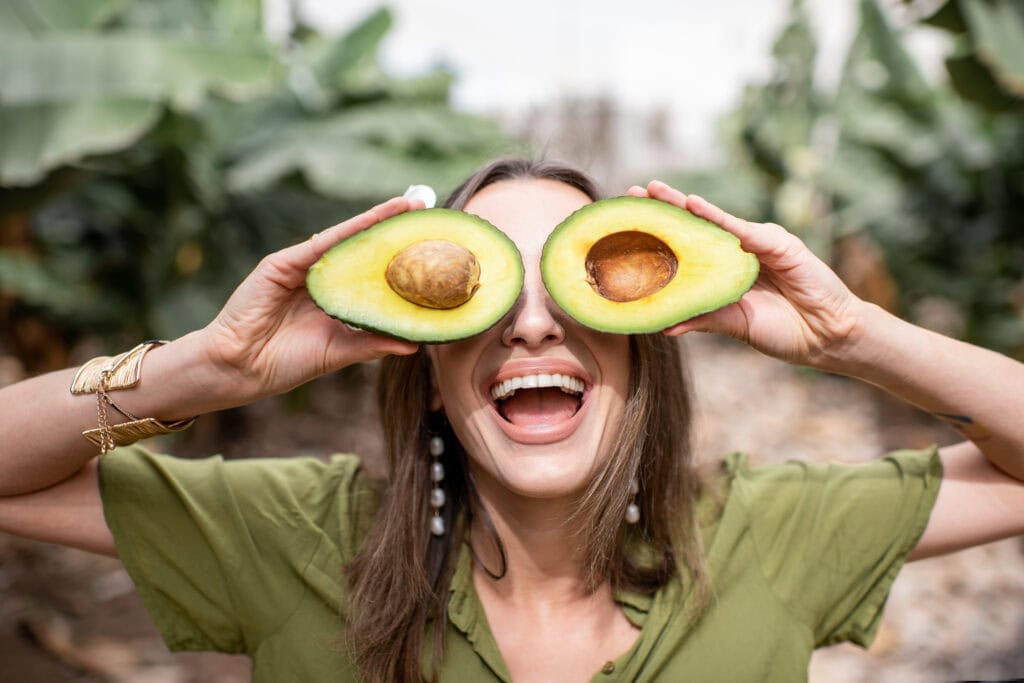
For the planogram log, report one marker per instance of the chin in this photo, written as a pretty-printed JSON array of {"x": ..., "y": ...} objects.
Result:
[{"x": 549, "y": 471}]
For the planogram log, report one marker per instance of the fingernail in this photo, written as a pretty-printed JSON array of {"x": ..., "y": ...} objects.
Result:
[{"x": 424, "y": 193}]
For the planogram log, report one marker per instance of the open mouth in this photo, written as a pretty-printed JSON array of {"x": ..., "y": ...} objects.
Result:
[{"x": 538, "y": 400}]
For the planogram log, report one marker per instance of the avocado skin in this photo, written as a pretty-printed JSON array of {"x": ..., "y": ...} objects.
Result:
[
  {"x": 446, "y": 325},
  {"x": 385, "y": 333}
]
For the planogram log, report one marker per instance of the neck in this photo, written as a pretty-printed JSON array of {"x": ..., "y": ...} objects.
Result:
[{"x": 542, "y": 551}]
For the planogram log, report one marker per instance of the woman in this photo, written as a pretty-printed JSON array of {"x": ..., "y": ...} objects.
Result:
[{"x": 539, "y": 568}]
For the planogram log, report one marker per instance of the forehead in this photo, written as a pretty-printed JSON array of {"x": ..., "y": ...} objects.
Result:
[{"x": 526, "y": 209}]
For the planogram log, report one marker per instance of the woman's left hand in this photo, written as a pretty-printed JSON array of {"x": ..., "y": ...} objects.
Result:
[{"x": 798, "y": 309}]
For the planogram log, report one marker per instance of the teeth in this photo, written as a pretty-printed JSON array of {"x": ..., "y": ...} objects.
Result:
[{"x": 567, "y": 383}]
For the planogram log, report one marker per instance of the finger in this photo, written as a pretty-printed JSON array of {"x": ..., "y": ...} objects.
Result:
[
  {"x": 359, "y": 345},
  {"x": 773, "y": 244},
  {"x": 636, "y": 191},
  {"x": 289, "y": 265},
  {"x": 389, "y": 345},
  {"x": 385, "y": 346},
  {"x": 324, "y": 240},
  {"x": 396, "y": 347},
  {"x": 737, "y": 226},
  {"x": 728, "y": 320},
  {"x": 659, "y": 190}
]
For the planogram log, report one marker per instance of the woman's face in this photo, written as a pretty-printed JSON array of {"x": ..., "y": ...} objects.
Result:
[{"x": 536, "y": 441}]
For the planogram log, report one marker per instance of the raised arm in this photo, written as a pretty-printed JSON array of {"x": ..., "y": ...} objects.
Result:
[
  {"x": 801, "y": 312},
  {"x": 268, "y": 338}
]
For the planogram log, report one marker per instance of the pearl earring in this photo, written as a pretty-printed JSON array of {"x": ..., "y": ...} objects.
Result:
[
  {"x": 633, "y": 510},
  {"x": 437, "y": 497}
]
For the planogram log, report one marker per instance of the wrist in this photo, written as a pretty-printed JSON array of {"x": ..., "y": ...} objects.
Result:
[
  {"x": 870, "y": 339},
  {"x": 217, "y": 373},
  {"x": 181, "y": 380}
]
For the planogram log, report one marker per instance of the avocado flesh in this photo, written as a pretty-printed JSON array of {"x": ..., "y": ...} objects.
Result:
[
  {"x": 349, "y": 281},
  {"x": 705, "y": 268}
]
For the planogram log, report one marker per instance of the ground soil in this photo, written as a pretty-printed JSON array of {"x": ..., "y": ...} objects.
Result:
[{"x": 69, "y": 616}]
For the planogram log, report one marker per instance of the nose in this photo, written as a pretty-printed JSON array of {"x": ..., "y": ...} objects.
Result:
[{"x": 533, "y": 324}]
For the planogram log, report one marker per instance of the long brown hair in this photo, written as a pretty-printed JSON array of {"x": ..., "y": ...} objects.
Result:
[{"x": 400, "y": 579}]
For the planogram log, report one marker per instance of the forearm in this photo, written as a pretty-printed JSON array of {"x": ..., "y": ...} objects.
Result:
[
  {"x": 977, "y": 391},
  {"x": 41, "y": 422}
]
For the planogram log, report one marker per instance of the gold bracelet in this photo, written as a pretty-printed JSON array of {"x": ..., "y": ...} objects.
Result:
[
  {"x": 127, "y": 433},
  {"x": 105, "y": 374}
]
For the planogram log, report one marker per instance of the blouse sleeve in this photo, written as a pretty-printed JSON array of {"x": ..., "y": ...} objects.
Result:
[
  {"x": 832, "y": 538},
  {"x": 218, "y": 550}
]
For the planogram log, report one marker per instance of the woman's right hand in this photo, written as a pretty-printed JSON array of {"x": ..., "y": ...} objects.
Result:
[{"x": 270, "y": 337}]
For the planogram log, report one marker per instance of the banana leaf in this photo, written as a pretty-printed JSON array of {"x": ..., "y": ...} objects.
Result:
[
  {"x": 27, "y": 279},
  {"x": 42, "y": 136},
  {"x": 35, "y": 17},
  {"x": 67, "y": 96},
  {"x": 333, "y": 60},
  {"x": 997, "y": 28},
  {"x": 208, "y": 18},
  {"x": 368, "y": 152},
  {"x": 68, "y": 67},
  {"x": 879, "y": 65},
  {"x": 975, "y": 82}
]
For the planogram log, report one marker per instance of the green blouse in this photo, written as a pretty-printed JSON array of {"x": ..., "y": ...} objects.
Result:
[{"x": 248, "y": 557}]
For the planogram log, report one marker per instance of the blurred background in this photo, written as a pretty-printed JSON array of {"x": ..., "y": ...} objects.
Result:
[{"x": 151, "y": 152}]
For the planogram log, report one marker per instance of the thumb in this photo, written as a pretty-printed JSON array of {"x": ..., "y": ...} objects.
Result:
[
  {"x": 359, "y": 346},
  {"x": 730, "y": 321}
]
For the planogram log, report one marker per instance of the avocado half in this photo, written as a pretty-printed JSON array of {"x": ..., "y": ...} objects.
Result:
[
  {"x": 433, "y": 275},
  {"x": 632, "y": 265}
]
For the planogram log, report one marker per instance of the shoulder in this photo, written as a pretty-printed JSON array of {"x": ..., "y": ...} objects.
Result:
[
  {"x": 807, "y": 505},
  {"x": 334, "y": 494},
  {"x": 826, "y": 539},
  {"x": 774, "y": 482},
  {"x": 289, "y": 476}
]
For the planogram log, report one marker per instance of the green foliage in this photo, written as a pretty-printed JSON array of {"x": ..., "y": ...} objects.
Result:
[
  {"x": 931, "y": 174},
  {"x": 160, "y": 149},
  {"x": 996, "y": 32}
]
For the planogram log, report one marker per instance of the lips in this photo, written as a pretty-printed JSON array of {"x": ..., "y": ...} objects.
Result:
[{"x": 538, "y": 400}]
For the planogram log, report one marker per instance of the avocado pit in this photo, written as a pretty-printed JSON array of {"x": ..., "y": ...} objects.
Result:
[
  {"x": 629, "y": 265},
  {"x": 434, "y": 274}
]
